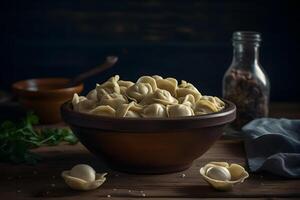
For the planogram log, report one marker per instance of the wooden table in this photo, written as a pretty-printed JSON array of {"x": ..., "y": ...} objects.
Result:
[{"x": 43, "y": 181}]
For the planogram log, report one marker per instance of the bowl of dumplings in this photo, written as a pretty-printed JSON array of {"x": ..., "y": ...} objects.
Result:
[{"x": 154, "y": 125}]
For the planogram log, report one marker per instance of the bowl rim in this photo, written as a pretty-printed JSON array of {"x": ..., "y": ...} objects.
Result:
[
  {"x": 75, "y": 118},
  {"x": 18, "y": 86}
]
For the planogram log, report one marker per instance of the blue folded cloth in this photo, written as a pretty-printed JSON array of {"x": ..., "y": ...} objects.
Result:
[{"x": 273, "y": 145}]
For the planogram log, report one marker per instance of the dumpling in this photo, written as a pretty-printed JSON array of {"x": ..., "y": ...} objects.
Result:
[
  {"x": 154, "y": 110},
  {"x": 92, "y": 95},
  {"x": 129, "y": 110},
  {"x": 204, "y": 106},
  {"x": 159, "y": 96},
  {"x": 138, "y": 91},
  {"x": 182, "y": 92},
  {"x": 108, "y": 87},
  {"x": 114, "y": 78},
  {"x": 82, "y": 104},
  {"x": 179, "y": 110},
  {"x": 148, "y": 79},
  {"x": 188, "y": 100},
  {"x": 103, "y": 111},
  {"x": 185, "y": 84},
  {"x": 124, "y": 85},
  {"x": 169, "y": 84},
  {"x": 164, "y": 97},
  {"x": 216, "y": 101},
  {"x": 113, "y": 100},
  {"x": 76, "y": 99},
  {"x": 150, "y": 96},
  {"x": 156, "y": 77},
  {"x": 186, "y": 88}
]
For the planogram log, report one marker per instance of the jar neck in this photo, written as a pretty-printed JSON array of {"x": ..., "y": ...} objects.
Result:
[{"x": 245, "y": 55}]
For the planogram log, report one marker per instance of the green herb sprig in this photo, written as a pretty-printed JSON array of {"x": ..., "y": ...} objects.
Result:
[{"x": 17, "y": 139}]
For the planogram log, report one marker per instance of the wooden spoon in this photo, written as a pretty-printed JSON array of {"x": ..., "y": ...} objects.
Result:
[{"x": 109, "y": 62}]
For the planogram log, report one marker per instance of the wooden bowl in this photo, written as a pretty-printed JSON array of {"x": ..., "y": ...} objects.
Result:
[
  {"x": 45, "y": 96},
  {"x": 148, "y": 145}
]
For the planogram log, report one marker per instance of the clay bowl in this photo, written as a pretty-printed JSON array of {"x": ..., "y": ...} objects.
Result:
[
  {"x": 148, "y": 145},
  {"x": 45, "y": 96}
]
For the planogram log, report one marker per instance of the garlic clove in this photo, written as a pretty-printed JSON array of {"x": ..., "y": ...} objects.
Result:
[
  {"x": 238, "y": 175},
  {"x": 80, "y": 184}
]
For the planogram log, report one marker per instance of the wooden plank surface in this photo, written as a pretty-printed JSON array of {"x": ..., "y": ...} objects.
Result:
[{"x": 43, "y": 181}]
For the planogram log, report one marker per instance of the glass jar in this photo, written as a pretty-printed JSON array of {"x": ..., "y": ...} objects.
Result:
[{"x": 245, "y": 83}]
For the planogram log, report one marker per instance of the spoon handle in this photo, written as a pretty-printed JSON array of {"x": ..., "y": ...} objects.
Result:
[{"x": 109, "y": 62}]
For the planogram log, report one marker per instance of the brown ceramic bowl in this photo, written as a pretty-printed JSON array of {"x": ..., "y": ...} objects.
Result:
[
  {"x": 148, "y": 145},
  {"x": 45, "y": 96}
]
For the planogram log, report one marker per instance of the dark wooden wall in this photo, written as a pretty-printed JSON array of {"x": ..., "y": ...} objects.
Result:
[{"x": 188, "y": 39}]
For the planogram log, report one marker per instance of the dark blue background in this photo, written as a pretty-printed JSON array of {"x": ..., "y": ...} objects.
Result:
[{"x": 184, "y": 39}]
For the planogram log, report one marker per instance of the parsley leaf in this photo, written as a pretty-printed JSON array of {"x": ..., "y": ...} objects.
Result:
[{"x": 16, "y": 139}]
